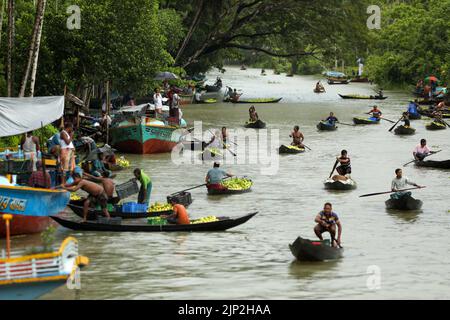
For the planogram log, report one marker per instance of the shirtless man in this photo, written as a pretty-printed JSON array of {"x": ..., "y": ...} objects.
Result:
[
  {"x": 108, "y": 186},
  {"x": 297, "y": 137},
  {"x": 96, "y": 193}
]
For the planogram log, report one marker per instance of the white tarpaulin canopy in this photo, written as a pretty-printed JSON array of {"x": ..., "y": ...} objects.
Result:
[{"x": 20, "y": 115}]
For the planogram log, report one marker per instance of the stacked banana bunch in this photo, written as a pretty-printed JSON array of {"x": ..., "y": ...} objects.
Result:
[
  {"x": 159, "y": 207},
  {"x": 122, "y": 162},
  {"x": 205, "y": 220},
  {"x": 74, "y": 197},
  {"x": 237, "y": 184}
]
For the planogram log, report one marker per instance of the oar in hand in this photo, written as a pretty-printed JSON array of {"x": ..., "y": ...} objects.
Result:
[
  {"x": 392, "y": 128},
  {"x": 334, "y": 240},
  {"x": 387, "y": 192},
  {"x": 307, "y": 147},
  {"x": 226, "y": 147},
  {"x": 432, "y": 153},
  {"x": 346, "y": 124},
  {"x": 334, "y": 168}
]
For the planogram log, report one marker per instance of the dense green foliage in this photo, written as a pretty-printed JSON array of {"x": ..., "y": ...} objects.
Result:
[{"x": 44, "y": 134}]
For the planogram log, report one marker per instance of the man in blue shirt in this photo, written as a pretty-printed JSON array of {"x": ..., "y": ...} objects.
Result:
[
  {"x": 327, "y": 221},
  {"x": 215, "y": 176}
]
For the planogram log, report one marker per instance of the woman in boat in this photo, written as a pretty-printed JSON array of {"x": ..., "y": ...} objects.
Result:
[
  {"x": 253, "y": 114},
  {"x": 146, "y": 186},
  {"x": 179, "y": 215},
  {"x": 376, "y": 113},
  {"x": 327, "y": 220},
  {"x": 421, "y": 151},
  {"x": 345, "y": 167},
  {"x": 399, "y": 183},
  {"x": 297, "y": 138}
]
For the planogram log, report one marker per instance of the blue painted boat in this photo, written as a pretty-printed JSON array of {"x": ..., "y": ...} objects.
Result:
[
  {"x": 366, "y": 120},
  {"x": 29, "y": 277}
]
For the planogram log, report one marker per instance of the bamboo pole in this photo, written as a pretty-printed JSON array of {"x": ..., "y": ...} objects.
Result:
[{"x": 108, "y": 97}]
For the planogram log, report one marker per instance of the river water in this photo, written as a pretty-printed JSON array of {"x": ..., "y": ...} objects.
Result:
[{"x": 387, "y": 254}]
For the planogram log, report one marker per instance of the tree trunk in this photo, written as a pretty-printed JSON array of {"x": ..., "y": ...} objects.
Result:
[
  {"x": 41, "y": 6},
  {"x": 9, "y": 73},
  {"x": 1, "y": 20},
  {"x": 31, "y": 53}
]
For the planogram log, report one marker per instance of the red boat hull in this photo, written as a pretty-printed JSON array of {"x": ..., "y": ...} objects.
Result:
[
  {"x": 149, "y": 147},
  {"x": 20, "y": 225}
]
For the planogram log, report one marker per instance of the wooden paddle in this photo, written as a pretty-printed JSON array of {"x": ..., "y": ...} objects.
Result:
[
  {"x": 387, "y": 192},
  {"x": 346, "y": 124},
  {"x": 392, "y": 128},
  {"x": 200, "y": 185},
  {"x": 391, "y": 121},
  {"x": 223, "y": 143},
  {"x": 432, "y": 153},
  {"x": 334, "y": 168},
  {"x": 307, "y": 147}
]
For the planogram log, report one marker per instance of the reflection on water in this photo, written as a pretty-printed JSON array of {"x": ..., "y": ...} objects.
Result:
[{"x": 253, "y": 261}]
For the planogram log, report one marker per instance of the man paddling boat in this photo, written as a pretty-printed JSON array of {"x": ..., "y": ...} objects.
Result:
[
  {"x": 400, "y": 183},
  {"x": 327, "y": 220},
  {"x": 422, "y": 151},
  {"x": 405, "y": 119},
  {"x": 376, "y": 113},
  {"x": 345, "y": 167},
  {"x": 253, "y": 115},
  {"x": 331, "y": 119},
  {"x": 297, "y": 138},
  {"x": 215, "y": 176}
]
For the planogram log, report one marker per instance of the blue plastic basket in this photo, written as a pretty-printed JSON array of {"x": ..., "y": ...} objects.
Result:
[{"x": 133, "y": 207}]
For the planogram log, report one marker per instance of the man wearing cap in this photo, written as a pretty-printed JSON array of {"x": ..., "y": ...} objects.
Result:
[{"x": 215, "y": 176}]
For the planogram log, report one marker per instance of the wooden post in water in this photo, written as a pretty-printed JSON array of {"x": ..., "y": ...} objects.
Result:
[
  {"x": 108, "y": 97},
  {"x": 7, "y": 218}
]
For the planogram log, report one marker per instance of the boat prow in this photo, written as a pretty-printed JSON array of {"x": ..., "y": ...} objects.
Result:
[
  {"x": 310, "y": 250},
  {"x": 348, "y": 184},
  {"x": 406, "y": 203}
]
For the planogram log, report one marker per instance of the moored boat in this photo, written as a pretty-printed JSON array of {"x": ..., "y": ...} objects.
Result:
[
  {"x": 334, "y": 80},
  {"x": 222, "y": 224},
  {"x": 435, "y": 126},
  {"x": 357, "y": 120},
  {"x": 314, "y": 250},
  {"x": 404, "y": 203},
  {"x": 290, "y": 149},
  {"x": 356, "y": 96},
  {"x": 348, "y": 184},
  {"x": 403, "y": 130},
  {"x": 258, "y": 100},
  {"x": 319, "y": 91},
  {"x": 231, "y": 186},
  {"x": 258, "y": 124},
  {"x": 360, "y": 79},
  {"x": 326, "y": 126},
  {"x": 445, "y": 164}
]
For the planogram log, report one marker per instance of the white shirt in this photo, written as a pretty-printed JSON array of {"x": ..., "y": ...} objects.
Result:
[
  {"x": 64, "y": 145},
  {"x": 175, "y": 100},
  {"x": 157, "y": 98},
  {"x": 399, "y": 184},
  {"x": 423, "y": 150}
]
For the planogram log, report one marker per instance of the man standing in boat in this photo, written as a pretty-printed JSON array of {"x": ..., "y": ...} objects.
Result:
[
  {"x": 157, "y": 100},
  {"x": 400, "y": 183},
  {"x": 345, "y": 167},
  {"x": 422, "y": 151},
  {"x": 327, "y": 221},
  {"x": 297, "y": 137},
  {"x": 146, "y": 186}
]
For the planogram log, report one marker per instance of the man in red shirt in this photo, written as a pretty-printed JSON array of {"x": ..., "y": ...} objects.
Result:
[{"x": 179, "y": 215}]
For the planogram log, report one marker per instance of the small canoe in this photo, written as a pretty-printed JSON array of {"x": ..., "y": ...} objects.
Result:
[
  {"x": 223, "y": 223},
  {"x": 311, "y": 250},
  {"x": 355, "y": 96},
  {"x": 445, "y": 164},
  {"x": 348, "y": 184},
  {"x": 405, "y": 203},
  {"x": 435, "y": 126},
  {"x": 366, "y": 121},
  {"x": 290, "y": 149},
  {"x": 326, "y": 126},
  {"x": 402, "y": 130},
  {"x": 225, "y": 191},
  {"x": 361, "y": 80},
  {"x": 258, "y": 124},
  {"x": 319, "y": 91},
  {"x": 338, "y": 81},
  {"x": 212, "y": 88},
  {"x": 261, "y": 100}
]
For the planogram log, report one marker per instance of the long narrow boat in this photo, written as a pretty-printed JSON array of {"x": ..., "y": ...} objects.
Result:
[
  {"x": 445, "y": 164},
  {"x": 348, "y": 184},
  {"x": 30, "y": 276},
  {"x": 435, "y": 126},
  {"x": 366, "y": 120},
  {"x": 311, "y": 250},
  {"x": 31, "y": 208},
  {"x": 403, "y": 130},
  {"x": 356, "y": 96},
  {"x": 258, "y": 124},
  {"x": 223, "y": 223},
  {"x": 144, "y": 136},
  {"x": 331, "y": 80},
  {"x": 404, "y": 203},
  {"x": 259, "y": 100},
  {"x": 326, "y": 126},
  {"x": 290, "y": 149}
]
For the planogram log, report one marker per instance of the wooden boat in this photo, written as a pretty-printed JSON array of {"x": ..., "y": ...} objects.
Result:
[
  {"x": 355, "y": 96},
  {"x": 260, "y": 100},
  {"x": 403, "y": 130},
  {"x": 290, "y": 149},
  {"x": 331, "y": 184},
  {"x": 319, "y": 91},
  {"x": 209, "y": 88},
  {"x": 333, "y": 80},
  {"x": 435, "y": 126},
  {"x": 224, "y": 223},
  {"x": 311, "y": 250},
  {"x": 445, "y": 164},
  {"x": 258, "y": 124},
  {"x": 226, "y": 191},
  {"x": 359, "y": 79},
  {"x": 147, "y": 136},
  {"x": 405, "y": 203},
  {"x": 94, "y": 213},
  {"x": 326, "y": 126},
  {"x": 26, "y": 276},
  {"x": 31, "y": 208},
  {"x": 366, "y": 121}
]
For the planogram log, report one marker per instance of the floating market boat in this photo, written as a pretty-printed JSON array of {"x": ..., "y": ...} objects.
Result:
[
  {"x": 403, "y": 130},
  {"x": 333, "y": 80},
  {"x": 31, "y": 208},
  {"x": 290, "y": 149},
  {"x": 435, "y": 126},
  {"x": 366, "y": 120},
  {"x": 319, "y": 91},
  {"x": 143, "y": 135},
  {"x": 258, "y": 124},
  {"x": 26, "y": 276},
  {"x": 326, "y": 126},
  {"x": 314, "y": 250},
  {"x": 348, "y": 184},
  {"x": 258, "y": 100},
  {"x": 445, "y": 164},
  {"x": 356, "y": 96},
  {"x": 231, "y": 186},
  {"x": 404, "y": 203},
  {"x": 222, "y": 224}
]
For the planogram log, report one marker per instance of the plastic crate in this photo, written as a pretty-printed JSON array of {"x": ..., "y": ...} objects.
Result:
[
  {"x": 127, "y": 189},
  {"x": 183, "y": 198},
  {"x": 133, "y": 207}
]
